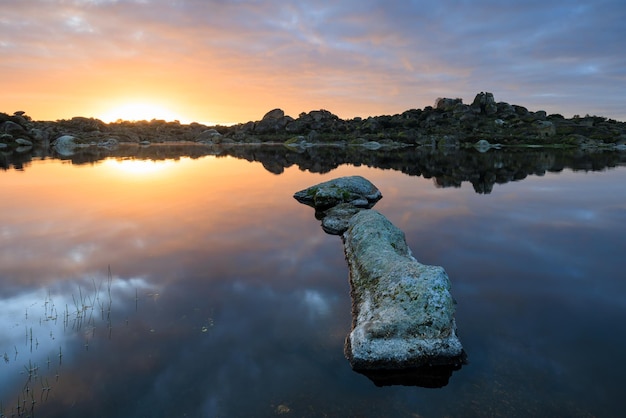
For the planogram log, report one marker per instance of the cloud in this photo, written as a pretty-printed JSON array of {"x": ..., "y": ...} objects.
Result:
[{"x": 360, "y": 55}]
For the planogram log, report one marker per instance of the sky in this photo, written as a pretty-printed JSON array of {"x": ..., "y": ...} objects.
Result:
[{"x": 231, "y": 61}]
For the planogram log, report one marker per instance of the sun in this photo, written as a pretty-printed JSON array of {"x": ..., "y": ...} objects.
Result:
[{"x": 139, "y": 111}]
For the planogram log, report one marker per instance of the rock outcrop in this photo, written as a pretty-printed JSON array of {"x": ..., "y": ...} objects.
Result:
[
  {"x": 449, "y": 124},
  {"x": 403, "y": 325}
]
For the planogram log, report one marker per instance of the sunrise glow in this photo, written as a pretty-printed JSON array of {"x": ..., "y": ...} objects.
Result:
[{"x": 233, "y": 61}]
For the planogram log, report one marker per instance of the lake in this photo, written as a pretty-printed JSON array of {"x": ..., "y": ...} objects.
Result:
[{"x": 181, "y": 283}]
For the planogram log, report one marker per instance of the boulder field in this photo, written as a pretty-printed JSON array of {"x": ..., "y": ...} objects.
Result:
[{"x": 448, "y": 124}]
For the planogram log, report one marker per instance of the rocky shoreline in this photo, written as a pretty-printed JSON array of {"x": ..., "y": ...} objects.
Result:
[{"x": 449, "y": 124}]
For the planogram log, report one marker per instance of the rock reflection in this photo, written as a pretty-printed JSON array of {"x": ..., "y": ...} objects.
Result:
[
  {"x": 434, "y": 377},
  {"x": 447, "y": 168}
]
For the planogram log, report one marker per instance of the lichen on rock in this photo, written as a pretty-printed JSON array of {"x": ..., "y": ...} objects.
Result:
[
  {"x": 402, "y": 310},
  {"x": 355, "y": 190}
]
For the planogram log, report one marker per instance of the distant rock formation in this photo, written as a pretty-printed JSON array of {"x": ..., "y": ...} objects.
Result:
[
  {"x": 403, "y": 326},
  {"x": 449, "y": 124}
]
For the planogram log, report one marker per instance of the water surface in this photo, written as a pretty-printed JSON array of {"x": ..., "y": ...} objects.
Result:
[{"x": 200, "y": 287}]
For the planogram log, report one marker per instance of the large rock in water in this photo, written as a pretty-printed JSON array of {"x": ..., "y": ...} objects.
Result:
[
  {"x": 354, "y": 190},
  {"x": 403, "y": 312},
  {"x": 66, "y": 145},
  {"x": 403, "y": 326}
]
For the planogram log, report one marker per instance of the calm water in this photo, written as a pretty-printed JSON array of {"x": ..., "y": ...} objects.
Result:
[{"x": 201, "y": 288}]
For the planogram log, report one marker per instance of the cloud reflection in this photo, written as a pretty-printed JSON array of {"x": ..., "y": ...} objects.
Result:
[
  {"x": 224, "y": 287},
  {"x": 43, "y": 331}
]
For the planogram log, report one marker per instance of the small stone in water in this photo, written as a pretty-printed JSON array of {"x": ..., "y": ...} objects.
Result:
[{"x": 283, "y": 409}]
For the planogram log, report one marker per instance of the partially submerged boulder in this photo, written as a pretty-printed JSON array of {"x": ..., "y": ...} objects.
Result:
[
  {"x": 335, "y": 221},
  {"x": 403, "y": 325},
  {"x": 402, "y": 310},
  {"x": 66, "y": 145},
  {"x": 355, "y": 190}
]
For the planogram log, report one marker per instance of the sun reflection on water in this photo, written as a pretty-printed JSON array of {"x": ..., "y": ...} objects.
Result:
[{"x": 138, "y": 167}]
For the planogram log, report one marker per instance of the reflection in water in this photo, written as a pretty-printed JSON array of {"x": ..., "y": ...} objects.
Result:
[
  {"x": 425, "y": 376},
  {"x": 243, "y": 302},
  {"x": 136, "y": 167},
  {"x": 46, "y": 329},
  {"x": 447, "y": 168}
]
